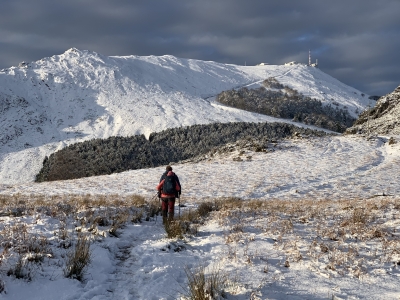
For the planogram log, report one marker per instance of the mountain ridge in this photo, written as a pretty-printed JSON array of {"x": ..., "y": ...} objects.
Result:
[{"x": 80, "y": 95}]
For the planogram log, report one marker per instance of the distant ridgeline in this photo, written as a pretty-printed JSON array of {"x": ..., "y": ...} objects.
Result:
[
  {"x": 118, "y": 154},
  {"x": 284, "y": 102}
]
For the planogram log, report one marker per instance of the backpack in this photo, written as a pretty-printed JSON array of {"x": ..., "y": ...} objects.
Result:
[{"x": 169, "y": 185}]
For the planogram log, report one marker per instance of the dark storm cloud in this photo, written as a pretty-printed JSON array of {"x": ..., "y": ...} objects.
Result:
[{"x": 355, "y": 41}]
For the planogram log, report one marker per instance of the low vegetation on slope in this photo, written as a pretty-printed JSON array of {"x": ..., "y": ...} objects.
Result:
[
  {"x": 284, "y": 102},
  {"x": 355, "y": 239},
  {"x": 118, "y": 154},
  {"x": 380, "y": 119}
]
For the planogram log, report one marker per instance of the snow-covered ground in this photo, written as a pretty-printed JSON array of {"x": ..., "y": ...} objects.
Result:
[
  {"x": 81, "y": 95},
  {"x": 310, "y": 187},
  {"x": 331, "y": 167},
  {"x": 142, "y": 263}
]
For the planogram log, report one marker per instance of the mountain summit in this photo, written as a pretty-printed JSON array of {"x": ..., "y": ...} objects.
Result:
[{"x": 80, "y": 95}]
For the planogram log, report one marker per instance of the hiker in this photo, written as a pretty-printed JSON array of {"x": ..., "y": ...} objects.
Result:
[{"x": 169, "y": 188}]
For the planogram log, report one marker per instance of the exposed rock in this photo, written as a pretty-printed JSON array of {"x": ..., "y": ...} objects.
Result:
[{"x": 383, "y": 118}]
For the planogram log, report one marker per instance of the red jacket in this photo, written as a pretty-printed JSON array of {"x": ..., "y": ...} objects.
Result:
[{"x": 160, "y": 185}]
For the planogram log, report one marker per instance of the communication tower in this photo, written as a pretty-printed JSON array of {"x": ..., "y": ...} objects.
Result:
[{"x": 310, "y": 64}]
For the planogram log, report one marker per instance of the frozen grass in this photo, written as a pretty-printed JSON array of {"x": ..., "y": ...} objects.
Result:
[
  {"x": 77, "y": 220},
  {"x": 205, "y": 284},
  {"x": 189, "y": 221},
  {"x": 78, "y": 258},
  {"x": 347, "y": 238}
]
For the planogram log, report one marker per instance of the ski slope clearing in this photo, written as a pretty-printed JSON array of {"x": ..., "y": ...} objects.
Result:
[
  {"x": 322, "y": 230},
  {"x": 81, "y": 95}
]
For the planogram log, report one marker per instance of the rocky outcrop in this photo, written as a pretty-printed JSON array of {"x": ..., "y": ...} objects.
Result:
[{"x": 383, "y": 118}]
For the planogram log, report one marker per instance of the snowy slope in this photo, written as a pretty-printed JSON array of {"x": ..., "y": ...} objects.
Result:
[
  {"x": 143, "y": 264},
  {"x": 81, "y": 95},
  {"x": 383, "y": 118},
  {"x": 338, "y": 167},
  {"x": 85, "y": 95}
]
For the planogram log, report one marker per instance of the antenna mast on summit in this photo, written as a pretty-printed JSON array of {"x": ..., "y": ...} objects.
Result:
[{"x": 309, "y": 57}]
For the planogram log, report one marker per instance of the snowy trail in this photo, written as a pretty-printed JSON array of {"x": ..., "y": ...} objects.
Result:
[
  {"x": 333, "y": 167},
  {"x": 82, "y": 95},
  {"x": 121, "y": 285},
  {"x": 149, "y": 263},
  {"x": 143, "y": 264}
]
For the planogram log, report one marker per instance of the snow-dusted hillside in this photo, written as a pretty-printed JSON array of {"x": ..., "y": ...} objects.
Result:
[
  {"x": 331, "y": 252},
  {"x": 81, "y": 95},
  {"x": 383, "y": 119}
]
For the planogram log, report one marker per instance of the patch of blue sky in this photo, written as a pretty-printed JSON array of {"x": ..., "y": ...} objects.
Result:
[{"x": 305, "y": 37}]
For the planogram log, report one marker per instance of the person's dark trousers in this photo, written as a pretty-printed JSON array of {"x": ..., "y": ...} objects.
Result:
[{"x": 167, "y": 208}]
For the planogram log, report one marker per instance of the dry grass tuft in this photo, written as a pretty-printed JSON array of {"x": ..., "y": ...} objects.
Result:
[
  {"x": 118, "y": 221},
  {"x": 205, "y": 284},
  {"x": 136, "y": 201},
  {"x": 189, "y": 221},
  {"x": 174, "y": 229},
  {"x": 228, "y": 203},
  {"x": 153, "y": 208},
  {"x": 204, "y": 209},
  {"x": 78, "y": 258}
]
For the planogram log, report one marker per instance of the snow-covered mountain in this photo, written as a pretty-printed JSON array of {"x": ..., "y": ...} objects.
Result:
[
  {"x": 382, "y": 119},
  {"x": 306, "y": 253},
  {"x": 82, "y": 95}
]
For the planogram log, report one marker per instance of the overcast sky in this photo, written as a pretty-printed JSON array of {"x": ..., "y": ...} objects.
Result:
[{"x": 355, "y": 41}]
